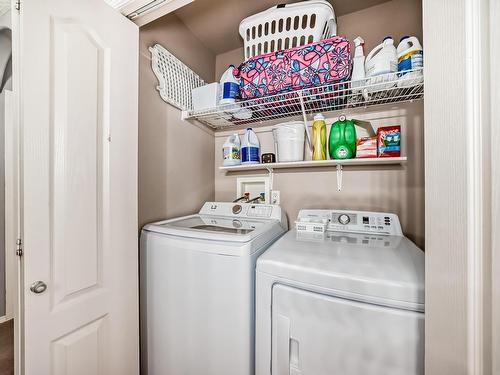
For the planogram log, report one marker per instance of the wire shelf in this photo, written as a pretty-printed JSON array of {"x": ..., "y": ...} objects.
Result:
[
  {"x": 380, "y": 90},
  {"x": 176, "y": 80}
]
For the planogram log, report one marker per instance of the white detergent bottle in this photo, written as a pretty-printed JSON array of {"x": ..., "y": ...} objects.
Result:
[
  {"x": 358, "y": 69},
  {"x": 382, "y": 61},
  {"x": 231, "y": 151},
  {"x": 250, "y": 148},
  {"x": 230, "y": 86},
  {"x": 410, "y": 57}
]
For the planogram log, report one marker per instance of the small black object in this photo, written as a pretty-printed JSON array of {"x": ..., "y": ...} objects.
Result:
[{"x": 268, "y": 158}]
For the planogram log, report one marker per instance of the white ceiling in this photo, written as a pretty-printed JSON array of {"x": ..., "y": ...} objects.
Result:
[{"x": 216, "y": 22}]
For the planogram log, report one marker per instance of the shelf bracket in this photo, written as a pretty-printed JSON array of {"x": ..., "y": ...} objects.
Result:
[
  {"x": 340, "y": 168},
  {"x": 270, "y": 171}
]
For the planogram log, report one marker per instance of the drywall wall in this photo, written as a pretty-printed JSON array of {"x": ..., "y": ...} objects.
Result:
[
  {"x": 203, "y": 18},
  {"x": 175, "y": 158},
  {"x": 398, "y": 189},
  {"x": 393, "y": 189},
  {"x": 396, "y": 18}
]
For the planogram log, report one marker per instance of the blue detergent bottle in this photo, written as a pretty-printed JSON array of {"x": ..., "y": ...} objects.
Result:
[{"x": 250, "y": 148}]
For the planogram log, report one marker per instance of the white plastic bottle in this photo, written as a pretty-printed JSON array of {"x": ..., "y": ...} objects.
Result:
[
  {"x": 231, "y": 151},
  {"x": 250, "y": 148},
  {"x": 230, "y": 86},
  {"x": 382, "y": 59},
  {"x": 381, "y": 65},
  {"x": 410, "y": 57},
  {"x": 358, "y": 69}
]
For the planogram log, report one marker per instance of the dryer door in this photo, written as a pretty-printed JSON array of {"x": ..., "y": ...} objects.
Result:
[{"x": 315, "y": 334}]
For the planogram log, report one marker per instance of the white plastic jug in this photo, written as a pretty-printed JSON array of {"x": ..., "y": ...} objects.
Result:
[
  {"x": 410, "y": 57},
  {"x": 250, "y": 148},
  {"x": 382, "y": 60},
  {"x": 230, "y": 86},
  {"x": 289, "y": 141},
  {"x": 410, "y": 54},
  {"x": 231, "y": 151}
]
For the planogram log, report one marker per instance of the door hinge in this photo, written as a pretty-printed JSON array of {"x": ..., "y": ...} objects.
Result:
[
  {"x": 18, "y": 4},
  {"x": 19, "y": 248}
]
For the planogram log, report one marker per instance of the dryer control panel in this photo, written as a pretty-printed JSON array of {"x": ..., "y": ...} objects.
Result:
[{"x": 354, "y": 221}]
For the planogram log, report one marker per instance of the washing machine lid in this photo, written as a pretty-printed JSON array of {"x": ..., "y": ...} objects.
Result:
[
  {"x": 376, "y": 268},
  {"x": 217, "y": 228}
]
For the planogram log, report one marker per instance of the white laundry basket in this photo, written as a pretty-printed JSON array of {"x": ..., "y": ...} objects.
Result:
[
  {"x": 289, "y": 141},
  {"x": 286, "y": 26}
]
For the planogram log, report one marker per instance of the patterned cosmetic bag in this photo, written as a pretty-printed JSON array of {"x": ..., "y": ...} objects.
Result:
[{"x": 324, "y": 62}]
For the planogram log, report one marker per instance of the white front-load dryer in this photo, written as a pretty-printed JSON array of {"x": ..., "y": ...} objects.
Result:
[
  {"x": 349, "y": 301},
  {"x": 198, "y": 289}
]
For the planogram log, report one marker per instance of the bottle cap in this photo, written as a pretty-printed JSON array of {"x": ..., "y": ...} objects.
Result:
[
  {"x": 387, "y": 38},
  {"x": 403, "y": 38},
  {"x": 359, "y": 41},
  {"x": 319, "y": 116}
]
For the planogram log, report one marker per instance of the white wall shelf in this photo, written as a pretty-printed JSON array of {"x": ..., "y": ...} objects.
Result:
[
  {"x": 338, "y": 164},
  {"x": 315, "y": 164},
  {"x": 375, "y": 91}
]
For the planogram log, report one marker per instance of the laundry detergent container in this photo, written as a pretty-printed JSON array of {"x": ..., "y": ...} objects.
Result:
[{"x": 289, "y": 141}]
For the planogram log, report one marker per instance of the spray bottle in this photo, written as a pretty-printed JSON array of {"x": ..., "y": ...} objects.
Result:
[{"x": 358, "y": 69}]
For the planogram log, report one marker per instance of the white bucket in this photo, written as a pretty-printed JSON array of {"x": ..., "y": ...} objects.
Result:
[{"x": 289, "y": 141}]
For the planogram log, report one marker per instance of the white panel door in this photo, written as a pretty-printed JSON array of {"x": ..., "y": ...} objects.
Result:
[{"x": 78, "y": 97}]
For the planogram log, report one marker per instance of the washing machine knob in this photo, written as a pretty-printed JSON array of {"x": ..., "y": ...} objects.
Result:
[
  {"x": 237, "y": 209},
  {"x": 344, "y": 219}
]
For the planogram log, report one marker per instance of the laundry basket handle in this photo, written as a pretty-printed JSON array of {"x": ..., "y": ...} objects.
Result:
[{"x": 332, "y": 26}]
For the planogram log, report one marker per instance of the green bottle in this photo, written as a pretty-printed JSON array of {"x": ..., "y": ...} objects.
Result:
[{"x": 342, "y": 141}]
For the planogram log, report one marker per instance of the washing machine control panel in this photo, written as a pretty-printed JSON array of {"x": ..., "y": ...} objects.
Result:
[
  {"x": 354, "y": 221},
  {"x": 260, "y": 210},
  {"x": 242, "y": 210}
]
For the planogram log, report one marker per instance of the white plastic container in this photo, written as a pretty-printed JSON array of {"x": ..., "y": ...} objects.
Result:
[
  {"x": 410, "y": 57},
  {"x": 230, "y": 87},
  {"x": 250, "y": 148},
  {"x": 382, "y": 61},
  {"x": 358, "y": 68},
  {"x": 231, "y": 151},
  {"x": 206, "y": 96},
  {"x": 289, "y": 141},
  {"x": 287, "y": 25}
]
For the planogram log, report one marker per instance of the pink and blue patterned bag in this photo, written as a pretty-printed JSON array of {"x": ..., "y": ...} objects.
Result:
[{"x": 323, "y": 62}]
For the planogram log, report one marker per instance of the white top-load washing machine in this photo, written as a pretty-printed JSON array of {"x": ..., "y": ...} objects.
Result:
[
  {"x": 198, "y": 289},
  {"x": 349, "y": 301}
]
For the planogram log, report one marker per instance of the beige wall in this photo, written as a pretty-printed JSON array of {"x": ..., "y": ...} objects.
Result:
[
  {"x": 175, "y": 157},
  {"x": 383, "y": 188},
  {"x": 396, "y": 18},
  {"x": 394, "y": 189}
]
